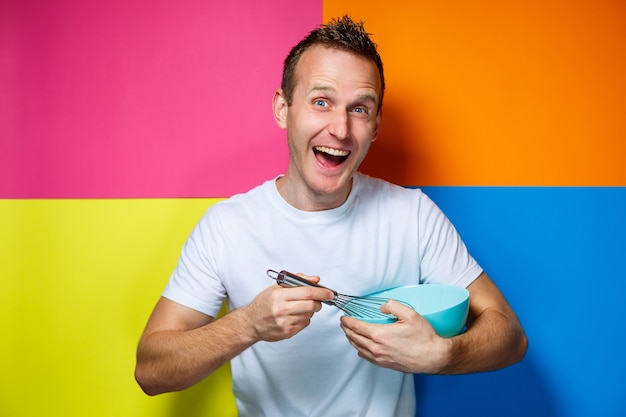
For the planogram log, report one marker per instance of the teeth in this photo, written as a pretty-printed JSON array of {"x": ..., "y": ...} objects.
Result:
[{"x": 331, "y": 151}]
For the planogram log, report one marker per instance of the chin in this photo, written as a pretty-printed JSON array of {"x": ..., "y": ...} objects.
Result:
[{"x": 333, "y": 185}]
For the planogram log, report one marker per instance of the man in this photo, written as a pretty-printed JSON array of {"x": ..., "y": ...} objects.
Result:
[{"x": 359, "y": 234}]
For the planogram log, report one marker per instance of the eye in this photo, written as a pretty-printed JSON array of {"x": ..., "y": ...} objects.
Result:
[
  {"x": 320, "y": 102},
  {"x": 361, "y": 111}
]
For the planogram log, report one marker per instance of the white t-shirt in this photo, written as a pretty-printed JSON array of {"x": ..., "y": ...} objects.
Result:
[{"x": 383, "y": 236}]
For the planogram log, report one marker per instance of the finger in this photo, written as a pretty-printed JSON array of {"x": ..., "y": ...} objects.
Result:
[
  {"x": 302, "y": 307},
  {"x": 356, "y": 325},
  {"x": 349, "y": 323},
  {"x": 308, "y": 293},
  {"x": 357, "y": 330},
  {"x": 357, "y": 341},
  {"x": 322, "y": 293},
  {"x": 313, "y": 278},
  {"x": 362, "y": 344}
]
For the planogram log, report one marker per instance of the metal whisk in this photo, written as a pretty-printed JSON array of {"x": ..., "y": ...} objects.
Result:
[{"x": 363, "y": 307}]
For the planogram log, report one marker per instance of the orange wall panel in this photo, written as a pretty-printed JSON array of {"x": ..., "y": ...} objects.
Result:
[{"x": 499, "y": 93}]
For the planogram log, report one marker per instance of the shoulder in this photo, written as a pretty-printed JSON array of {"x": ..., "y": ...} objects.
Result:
[
  {"x": 400, "y": 202},
  {"x": 237, "y": 209},
  {"x": 252, "y": 199},
  {"x": 380, "y": 189}
]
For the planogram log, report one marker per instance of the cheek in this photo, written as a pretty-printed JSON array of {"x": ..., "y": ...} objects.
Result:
[
  {"x": 365, "y": 133},
  {"x": 364, "y": 150},
  {"x": 307, "y": 125}
]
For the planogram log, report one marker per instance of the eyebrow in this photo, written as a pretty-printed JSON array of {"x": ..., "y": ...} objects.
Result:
[
  {"x": 369, "y": 97},
  {"x": 327, "y": 88},
  {"x": 320, "y": 87}
]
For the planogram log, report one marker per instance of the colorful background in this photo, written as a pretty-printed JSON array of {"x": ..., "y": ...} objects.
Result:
[{"x": 122, "y": 121}]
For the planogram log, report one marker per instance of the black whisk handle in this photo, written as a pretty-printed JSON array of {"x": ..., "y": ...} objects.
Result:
[{"x": 287, "y": 279}]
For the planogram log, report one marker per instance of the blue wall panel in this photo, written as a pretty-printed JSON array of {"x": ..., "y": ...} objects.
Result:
[{"x": 559, "y": 255}]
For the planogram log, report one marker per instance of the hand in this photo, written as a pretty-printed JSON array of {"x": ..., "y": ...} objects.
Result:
[
  {"x": 279, "y": 313},
  {"x": 409, "y": 345}
]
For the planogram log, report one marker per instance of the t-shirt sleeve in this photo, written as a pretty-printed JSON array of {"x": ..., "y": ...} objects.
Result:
[
  {"x": 444, "y": 256},
  {"x": 194, "y": 282}
]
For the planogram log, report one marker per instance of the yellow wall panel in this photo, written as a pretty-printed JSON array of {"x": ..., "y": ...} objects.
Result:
[
  {"x": 79, "y": 279},
  {"x": 498, "y": 93}
]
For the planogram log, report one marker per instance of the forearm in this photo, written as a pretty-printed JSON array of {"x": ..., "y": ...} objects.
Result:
[
  {"x": 181, "y": 346},
  {"x": 172, "y": 360},
  {"x": 493, "y": 340}
]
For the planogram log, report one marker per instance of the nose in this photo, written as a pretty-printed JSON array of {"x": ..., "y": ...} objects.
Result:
[{"x": 339, "y": 125}]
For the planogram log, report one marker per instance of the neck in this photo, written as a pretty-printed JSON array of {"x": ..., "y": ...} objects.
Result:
[{"x": 306, "y": 199}]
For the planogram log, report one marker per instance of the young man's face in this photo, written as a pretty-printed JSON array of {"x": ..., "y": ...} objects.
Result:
[{"x": 330, "y": 125}]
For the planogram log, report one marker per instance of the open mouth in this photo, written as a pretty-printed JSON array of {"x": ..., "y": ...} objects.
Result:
[{"x": 329, "y": 156}]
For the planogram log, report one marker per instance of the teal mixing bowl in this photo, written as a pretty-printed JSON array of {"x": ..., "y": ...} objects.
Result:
[{"x": 444, "y": 306}]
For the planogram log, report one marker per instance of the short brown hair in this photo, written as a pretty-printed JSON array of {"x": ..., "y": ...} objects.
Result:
[{"x": 340, "y": 33}]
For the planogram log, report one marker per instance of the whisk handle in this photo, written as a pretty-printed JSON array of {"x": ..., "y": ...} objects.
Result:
[{"x": 287, "y": 279}]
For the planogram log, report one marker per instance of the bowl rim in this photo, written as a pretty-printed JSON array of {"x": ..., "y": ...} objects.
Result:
[{"x": 459, "y": 288}]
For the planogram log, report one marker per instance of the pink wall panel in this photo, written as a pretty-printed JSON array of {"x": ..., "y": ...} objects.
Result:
[{"x": 142, "y": 98}]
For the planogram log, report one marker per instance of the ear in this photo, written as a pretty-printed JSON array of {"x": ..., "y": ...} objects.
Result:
[
  {"x": 280, "y": 108},
  {"x": 379, "y": 119}
]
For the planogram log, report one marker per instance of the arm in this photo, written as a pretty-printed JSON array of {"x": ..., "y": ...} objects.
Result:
[
  {"x": 494, "y": 338},
  {"x": 181, "y": 346}
]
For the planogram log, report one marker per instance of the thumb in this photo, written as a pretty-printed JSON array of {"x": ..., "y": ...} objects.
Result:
[{"x": 399, "y": 309}]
